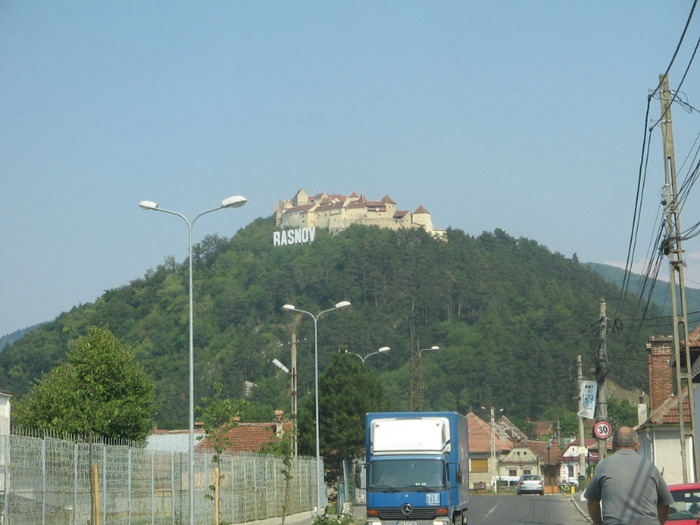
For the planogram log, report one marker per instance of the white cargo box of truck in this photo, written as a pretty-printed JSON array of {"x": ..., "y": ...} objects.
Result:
[{"x": 430, "y": 435}]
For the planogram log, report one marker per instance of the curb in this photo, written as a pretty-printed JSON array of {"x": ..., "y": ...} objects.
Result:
[{"x": 577, "y": 501}]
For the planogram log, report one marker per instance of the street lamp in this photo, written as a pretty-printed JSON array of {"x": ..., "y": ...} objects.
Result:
[
  {"x": 432, "y": 348},
  {"x": 232, "y": 202},
  {"x": 380, "y": 351},
  {"x": 420, "y": 374},
  {"x": 292, "y": 308}
]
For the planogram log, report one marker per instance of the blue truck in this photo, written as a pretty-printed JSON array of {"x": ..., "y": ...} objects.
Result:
[{"x": 417, "y": 468}]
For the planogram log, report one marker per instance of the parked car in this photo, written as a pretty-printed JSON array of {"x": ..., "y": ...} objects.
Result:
[
  {"x": 530, "y": 484},
  {"x": 685, "y": 509}
]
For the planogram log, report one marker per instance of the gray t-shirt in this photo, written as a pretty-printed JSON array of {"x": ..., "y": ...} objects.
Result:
[{"x": 630, "y": 488}]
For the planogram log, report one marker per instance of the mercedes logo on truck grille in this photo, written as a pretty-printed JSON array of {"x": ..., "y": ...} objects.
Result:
[{"x": 406, "y": 509}]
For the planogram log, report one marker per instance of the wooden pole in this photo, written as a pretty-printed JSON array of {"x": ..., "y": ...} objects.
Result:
[
  {"x": 96, "y": 492},
  {"x": 216, "y": 495}
]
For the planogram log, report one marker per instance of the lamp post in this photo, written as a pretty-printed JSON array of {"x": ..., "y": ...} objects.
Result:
[
  {"x": 380, "y": 351},
  {"x": 232, "y": 202},
  {"x": 420, "y": 374},
  {"x": 292, "y": 308},
  {"x": 548, "y": 474},
  {"x": 494, "y": 465},
  {"x": 292, "y": 391}
]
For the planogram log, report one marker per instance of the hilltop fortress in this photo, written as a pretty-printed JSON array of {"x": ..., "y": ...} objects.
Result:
[{"x": 336, "y": 212}]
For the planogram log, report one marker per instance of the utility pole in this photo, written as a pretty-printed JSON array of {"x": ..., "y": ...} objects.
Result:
[
  {"x": 493, "y": 468},
  {"x": 294, "y": 393},
  {"x": 671, "y": 246},
  {"x": 601, "y": 372},
  {"x": 413, "y": 371},
  {"x": 421, "y": 393},
  {"x": 581, "y": 436}
]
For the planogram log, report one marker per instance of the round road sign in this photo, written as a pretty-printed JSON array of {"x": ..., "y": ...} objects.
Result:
[{"x": 602, "y": 430}]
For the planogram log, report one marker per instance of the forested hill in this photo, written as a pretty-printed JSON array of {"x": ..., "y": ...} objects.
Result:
[
  {"x": 508, "y": 315},
  {"x": 660, "y": 290}
]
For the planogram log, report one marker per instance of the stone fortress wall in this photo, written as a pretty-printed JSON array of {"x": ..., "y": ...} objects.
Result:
[{"x": 334, "y": 212}]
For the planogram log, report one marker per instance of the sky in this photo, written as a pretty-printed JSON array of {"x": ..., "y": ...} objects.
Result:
[{"x": 528, "y": 116}]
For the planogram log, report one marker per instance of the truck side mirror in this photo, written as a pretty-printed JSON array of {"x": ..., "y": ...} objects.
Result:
[{"x": 358, "y": 476}]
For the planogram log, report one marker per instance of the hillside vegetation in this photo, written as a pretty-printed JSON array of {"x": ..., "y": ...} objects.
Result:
[
  {"x": 508, "y": 315},
  {"x": 660, "y": 291}
]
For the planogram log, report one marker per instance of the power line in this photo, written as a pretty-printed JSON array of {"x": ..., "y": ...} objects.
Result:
[
  {"x": 643, "y": 169},
  {"x": 673, "y": 58}
]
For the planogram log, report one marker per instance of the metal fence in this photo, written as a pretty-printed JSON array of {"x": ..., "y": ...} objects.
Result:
[{"x": 47, "y": 481}]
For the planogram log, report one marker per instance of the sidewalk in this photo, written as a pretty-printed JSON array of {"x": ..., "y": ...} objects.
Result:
[
  {"x": 359, "y": 512},
  {"x": 579, "y": 503},
  {"x": 303, "y": 518}
]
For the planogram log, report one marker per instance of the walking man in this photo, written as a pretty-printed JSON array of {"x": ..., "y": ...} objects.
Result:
[{"x": 630, "y": 487}]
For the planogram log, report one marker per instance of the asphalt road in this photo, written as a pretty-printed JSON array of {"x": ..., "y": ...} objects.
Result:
[{"x": 550, "y": 509}]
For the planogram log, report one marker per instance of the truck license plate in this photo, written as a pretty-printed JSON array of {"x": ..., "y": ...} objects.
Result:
[{"x": 406, "y": 523}]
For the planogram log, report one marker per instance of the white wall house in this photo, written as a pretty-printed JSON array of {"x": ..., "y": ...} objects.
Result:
[
  {"x": 659, "y": 433},
  {"x": 570, "y": 467},
  {"x": 5, "y": 398}
]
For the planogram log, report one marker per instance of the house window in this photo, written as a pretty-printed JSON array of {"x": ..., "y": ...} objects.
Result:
[
  {"x": 480, "y": 465},
  {"x": 527, "y": 471},
  {"x": 512, "y": 472},
  {"x": 570, "y": 474}
]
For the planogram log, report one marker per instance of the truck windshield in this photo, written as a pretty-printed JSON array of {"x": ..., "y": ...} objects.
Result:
[{"x": 406, "y": 473}]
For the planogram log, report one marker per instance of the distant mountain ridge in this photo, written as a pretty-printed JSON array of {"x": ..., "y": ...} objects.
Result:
[
  {"x": 17, "y": 334},
  {"x": 661, "y": 294}
]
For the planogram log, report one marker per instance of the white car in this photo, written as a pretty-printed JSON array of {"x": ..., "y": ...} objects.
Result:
[{"x": 530, "y": 484}]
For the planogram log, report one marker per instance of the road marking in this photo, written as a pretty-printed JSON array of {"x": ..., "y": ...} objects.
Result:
[{"x": 492, "y": 509}]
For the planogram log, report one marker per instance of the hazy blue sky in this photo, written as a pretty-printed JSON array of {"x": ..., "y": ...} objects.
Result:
[{"x": 527, "y": 116}]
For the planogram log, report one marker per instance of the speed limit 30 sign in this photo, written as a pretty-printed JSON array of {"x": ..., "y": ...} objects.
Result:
[{"x": 602, "y": 430}]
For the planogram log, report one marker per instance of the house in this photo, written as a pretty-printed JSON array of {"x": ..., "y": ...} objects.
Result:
[
  {"x": 508, "y": 428},
  {"x": 570, "y": 461},
  {"x": 486, "y": 447},
  {"x": 5, "y": 413},
  {"x": 544, "y": 430},
  {"x": 659, "y": 430},
  {"x": 504, "y": 453},
  {"x": 245, "y": 437},
  {"x": 5, "y": 419},
  {"x": 531, "y": 457},
  {"x": 173, "y": 440}
]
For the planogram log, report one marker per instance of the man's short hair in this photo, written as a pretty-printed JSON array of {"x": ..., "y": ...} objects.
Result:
[{"x": 625, "y": 437}]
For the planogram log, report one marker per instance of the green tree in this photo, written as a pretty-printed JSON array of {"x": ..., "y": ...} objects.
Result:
[
  {"x": 282, "y": 448},
  {"x": 219, "y": 418},
  {"x": 347, "y": 392},
  {"x": 100, "y": 390},
  {"x": 219, "y": 415},
  {"x": 568, "y": 421},
  {"x": 621, "y": 412}
]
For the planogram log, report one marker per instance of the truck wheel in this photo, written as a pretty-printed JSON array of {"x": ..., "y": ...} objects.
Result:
[{"x": 464, "y": 518}]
